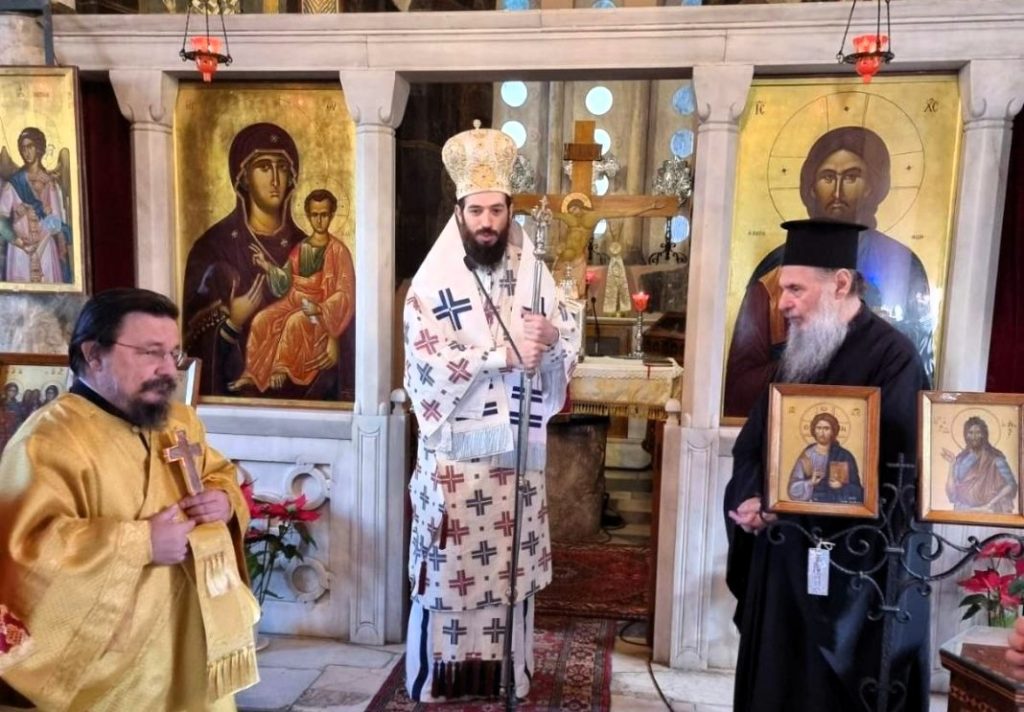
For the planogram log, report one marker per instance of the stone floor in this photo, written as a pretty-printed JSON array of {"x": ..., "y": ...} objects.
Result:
[{"x": 318, "y": 675}]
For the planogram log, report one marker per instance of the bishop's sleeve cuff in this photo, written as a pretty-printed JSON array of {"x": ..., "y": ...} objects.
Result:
[
  {"x": 553, "y": 357},
  {"x": 495, "y": 361}
]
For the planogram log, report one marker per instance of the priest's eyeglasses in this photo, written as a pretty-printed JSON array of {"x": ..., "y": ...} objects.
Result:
[{"x": 155, "y": 353}]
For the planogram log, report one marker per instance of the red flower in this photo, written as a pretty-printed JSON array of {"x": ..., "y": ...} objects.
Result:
[
  {"x": 983, "y": 581},
  {"x": 1001, "y": 549},
  {"x": 275, "y": 510}
]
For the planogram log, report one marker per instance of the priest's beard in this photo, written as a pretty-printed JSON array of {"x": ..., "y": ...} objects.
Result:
[
  {"x": 811, "y": 346},
  {"x": 148, "y": 414},
  {"x": 484, "y": 255}
]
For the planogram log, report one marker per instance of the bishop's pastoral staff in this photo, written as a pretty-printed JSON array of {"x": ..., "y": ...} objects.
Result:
[
  {"x": 127, "y": 570},
  {"x": 801, "y": 652},
  {"x": 463, "y": 376}
]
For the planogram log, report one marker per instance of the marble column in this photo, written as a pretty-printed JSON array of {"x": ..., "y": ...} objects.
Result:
[
  {"x": 992, "y": 93},
  {"x": 689, "y": 483},
  {"x": 376, "y": 100},
  {"x": 146, "y": 98}
]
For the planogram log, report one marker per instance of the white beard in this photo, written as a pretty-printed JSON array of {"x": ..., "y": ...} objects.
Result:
[{"x": 811, "y": 346}]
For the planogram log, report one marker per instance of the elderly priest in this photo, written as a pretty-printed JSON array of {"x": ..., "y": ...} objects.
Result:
[{"x": 801, "y": 652}]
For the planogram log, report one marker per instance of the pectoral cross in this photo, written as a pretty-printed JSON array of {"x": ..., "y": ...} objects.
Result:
[{"x": 184, "y": 453}]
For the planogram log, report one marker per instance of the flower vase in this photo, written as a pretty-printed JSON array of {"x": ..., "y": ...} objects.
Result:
[{"x": 1001, "y": 617}]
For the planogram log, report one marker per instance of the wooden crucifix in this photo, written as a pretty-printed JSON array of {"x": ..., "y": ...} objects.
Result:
[
  {"x": 581, "y": 212},
  {"x": 184, "y": 453}
]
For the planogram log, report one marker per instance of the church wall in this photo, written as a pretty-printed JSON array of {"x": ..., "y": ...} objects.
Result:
[{"x": 721, "y": 44}]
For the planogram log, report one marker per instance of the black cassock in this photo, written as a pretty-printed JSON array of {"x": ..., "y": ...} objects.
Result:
[{"x": 800, "y": 652}]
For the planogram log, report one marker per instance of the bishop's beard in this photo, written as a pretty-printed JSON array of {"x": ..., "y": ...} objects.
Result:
[
  {"x": 811, "y": 346},
  {"x": 484, "y": 255}
]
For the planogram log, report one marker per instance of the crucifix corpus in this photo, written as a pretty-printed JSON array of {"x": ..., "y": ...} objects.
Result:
[
  {"x": 581, "y": 212},
  {"x": 184, "y": 453}
]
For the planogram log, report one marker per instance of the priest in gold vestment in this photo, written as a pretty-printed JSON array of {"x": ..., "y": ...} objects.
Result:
[{"x": 130, "y": 580}]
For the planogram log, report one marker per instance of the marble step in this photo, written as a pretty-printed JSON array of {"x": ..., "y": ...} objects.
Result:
[
  {"x": 628, "y": 453},
  {"x": 627, "y": 481}
]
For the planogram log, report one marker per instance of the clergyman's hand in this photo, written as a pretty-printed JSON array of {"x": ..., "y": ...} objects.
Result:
[
  {"x": 532, "y": 352},
  {"x": 1015, "y": 653},
  {"x": 168, "y": 536},
  {"x": 538, "y": 328},
  {"x": 210, "y": 505},
  {"x": 749, "y": 517}
]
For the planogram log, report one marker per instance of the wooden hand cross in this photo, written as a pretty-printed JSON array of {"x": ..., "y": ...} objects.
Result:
[{"x": 184, "y": 453}]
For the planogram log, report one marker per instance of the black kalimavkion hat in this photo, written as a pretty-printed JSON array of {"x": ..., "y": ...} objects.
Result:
[{"x": 829, "y": 244}]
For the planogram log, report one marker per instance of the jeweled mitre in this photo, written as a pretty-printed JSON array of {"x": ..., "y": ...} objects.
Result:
[{"x": 480, "y": 160}]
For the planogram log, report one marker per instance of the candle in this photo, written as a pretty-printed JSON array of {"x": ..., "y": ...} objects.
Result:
[
  {"x": 640, "y": 300},
  {"x": 590, "y": 275}
]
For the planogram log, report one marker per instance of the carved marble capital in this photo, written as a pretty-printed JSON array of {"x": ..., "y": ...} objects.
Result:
[
  {"x": 375, "y": 97},
  {"x": 992, "y": 91},
  {"x": 145, "y": 96},
  {"x": 721, "y": 92}
]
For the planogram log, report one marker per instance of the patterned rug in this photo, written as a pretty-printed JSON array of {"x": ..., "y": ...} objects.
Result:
[
  {"x": 573, "y": 661},
  {"x": 599, "y": 581}
]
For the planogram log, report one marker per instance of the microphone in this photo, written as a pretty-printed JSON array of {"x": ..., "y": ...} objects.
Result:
[
  {"x": 597, "y": 326},
  {"x": 471, "y": 266}
]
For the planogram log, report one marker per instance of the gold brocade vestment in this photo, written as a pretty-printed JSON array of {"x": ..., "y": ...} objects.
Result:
[{"x": 111, "y": 632}]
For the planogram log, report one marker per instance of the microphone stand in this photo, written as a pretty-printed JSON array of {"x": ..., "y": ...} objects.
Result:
[{"x": 542, "y": 217}]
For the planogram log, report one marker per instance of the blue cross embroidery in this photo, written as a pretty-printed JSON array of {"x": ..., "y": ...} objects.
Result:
[
  {"x": 479, "y": 502},
  {"x": 451, "y": 307},
  {"x": 531, "y": 543},
  {"x": 496, "y": 630},
  {"x": 488, "y": 600},
  {"x": 425, "y": 377},
  {"x": 484, "y": 552},
  {"x": 424, "y": 497},
  {"x": 508, "y": 282},
  {"x": 528, "y": 492},
  {"x": 436, "y": 558},
  {"x": 453, "y": 630},
  {"x": 439, "y": 604}
]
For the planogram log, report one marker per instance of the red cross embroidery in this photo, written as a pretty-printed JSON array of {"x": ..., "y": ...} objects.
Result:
[
  {"x": 545, "y": 558},
  {"x": 449, "y": 479},
  {"x": 502, "y": 474},
  {"x": 456, "y": 531},
  {"x": 462, "y": 582},
  {"x": 459, "y": 370},
  {"x": 431, "y": 410},
  {"x": 427, "y": 342},
  {"x": 505, "y": 524}
]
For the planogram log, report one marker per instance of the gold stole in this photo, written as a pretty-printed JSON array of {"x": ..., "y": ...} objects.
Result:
[{"x": 228, "y": 607}]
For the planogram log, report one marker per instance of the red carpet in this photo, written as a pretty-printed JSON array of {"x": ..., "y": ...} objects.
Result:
[
  {"x": 573, "y": 661},
  {"x": 599, "y": 581}
]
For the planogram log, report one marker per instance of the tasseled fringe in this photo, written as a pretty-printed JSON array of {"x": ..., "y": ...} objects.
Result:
[
  {"x": 481, "y": 442},
  {"x": 421, "y": 585},
  {"x": 469, "y": 678},
  {"x": 220, "y": 578},
  {"x": 444, "y": 531},
  {"x": 232, "y": 673}
]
